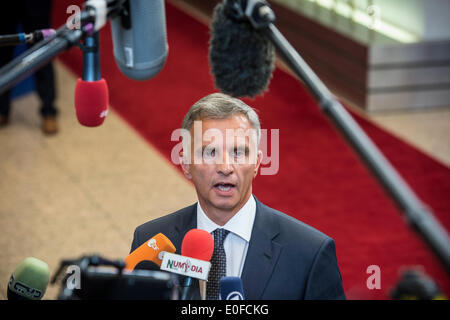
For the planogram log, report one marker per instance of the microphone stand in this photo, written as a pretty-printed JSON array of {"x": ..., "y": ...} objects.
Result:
[
  {"x": 416, "y": 213},
  {"x": 187, "y": 283}
]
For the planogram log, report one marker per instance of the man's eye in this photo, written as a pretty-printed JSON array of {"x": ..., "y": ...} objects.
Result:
[
  {"x": 239, "y": 153},
  {"x": 209, "y": 153}
]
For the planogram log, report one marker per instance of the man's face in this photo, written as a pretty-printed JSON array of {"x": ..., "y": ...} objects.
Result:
[{"x": 224, "y": 160}]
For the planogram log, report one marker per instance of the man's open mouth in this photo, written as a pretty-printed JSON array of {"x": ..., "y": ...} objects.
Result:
[{"x": 224, "y": 186}]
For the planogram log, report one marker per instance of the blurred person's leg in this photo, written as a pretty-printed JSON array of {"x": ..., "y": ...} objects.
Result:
[
  {"x": 6, "y": 54},
  {"x": 8, "y": 23},
  {"x": 38, "y": 16},
  {"x": 45, "y": 87}
]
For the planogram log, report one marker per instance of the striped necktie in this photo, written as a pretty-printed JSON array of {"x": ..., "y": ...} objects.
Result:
[{"x": 218, "y": 265}]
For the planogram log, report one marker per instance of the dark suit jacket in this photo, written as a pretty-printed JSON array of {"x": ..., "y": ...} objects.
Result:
[{"x": 286, "y": 259}]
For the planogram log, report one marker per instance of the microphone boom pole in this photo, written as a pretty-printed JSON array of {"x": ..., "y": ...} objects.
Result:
[
  {"x": 38, "y": 55},
  {"x": 92, "y": 17},
  {"x": 416, "y": 213},
  {"x": 34, "y": 58}
]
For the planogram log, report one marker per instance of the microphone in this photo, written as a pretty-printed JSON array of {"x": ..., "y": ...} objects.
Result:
[
  {"x": 91, "y": 90},
  {"x": 139, "y": 38},
  {"x": 241, "y": 58},
  {"x": 199, "y": 247},
  {"x": 147, "y": 265},
  {"x": 29, "y": 280},
  {"x": 196, "y": 251},
  {"x": 150, "y": 250},
  {"x": 415, "y": 284},
  {"x": 26, "y": 38},
  {"x": 231, "y": 288},
  {"x": 190, "y": 248},
  {"x": 197, "y": 244}
]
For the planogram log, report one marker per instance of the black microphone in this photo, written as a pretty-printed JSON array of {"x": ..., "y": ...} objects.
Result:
[
  {"x": 26, "y": 38},
  {"x": 414, "y": 284},
  {"x": 241, "y": 58},
  {"x": 147, "y": 265}
]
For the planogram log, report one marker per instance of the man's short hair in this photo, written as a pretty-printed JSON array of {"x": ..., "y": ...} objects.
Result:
[{"x": 221, "y": 106}]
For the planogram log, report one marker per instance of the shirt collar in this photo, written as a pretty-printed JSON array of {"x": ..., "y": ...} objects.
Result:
[{"x": 240, "y": 224}]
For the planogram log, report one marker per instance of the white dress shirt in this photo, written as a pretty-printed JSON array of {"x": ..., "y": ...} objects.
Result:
[{"x": 236, "y": 243}]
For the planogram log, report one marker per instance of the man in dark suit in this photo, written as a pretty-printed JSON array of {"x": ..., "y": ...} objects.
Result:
[{"x": 276, "y": 256}]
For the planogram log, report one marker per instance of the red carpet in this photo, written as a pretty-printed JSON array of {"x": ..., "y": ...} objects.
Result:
[{"x": 320, "y": 180}]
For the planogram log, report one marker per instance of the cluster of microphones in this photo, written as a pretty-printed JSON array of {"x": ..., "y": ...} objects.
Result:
[
  {"x": 241, "y": 59},
  {"x": 154, "y": 271},
  {"x": 152, "y": 263}
]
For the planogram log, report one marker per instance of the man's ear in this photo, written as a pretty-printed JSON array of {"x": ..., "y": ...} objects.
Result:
[
  {"x": 258, "y": 162},
  {"x": 184, "y": 163}
]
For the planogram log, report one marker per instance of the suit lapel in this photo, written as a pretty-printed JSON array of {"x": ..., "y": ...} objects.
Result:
[
  {"x": 262, "y": 254},
  {"x": 186, "y": 222}
]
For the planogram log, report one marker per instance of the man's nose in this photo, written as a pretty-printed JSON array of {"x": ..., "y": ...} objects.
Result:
[{"x": 225, "y": 166}]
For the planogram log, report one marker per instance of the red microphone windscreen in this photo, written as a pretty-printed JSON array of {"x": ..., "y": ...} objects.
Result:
[
  {"x": 198, "y": 244},
  {"x": 91, "y": 102}
]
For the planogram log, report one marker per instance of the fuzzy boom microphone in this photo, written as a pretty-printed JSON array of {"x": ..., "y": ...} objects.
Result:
[{"x": 241, "y": 58}]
